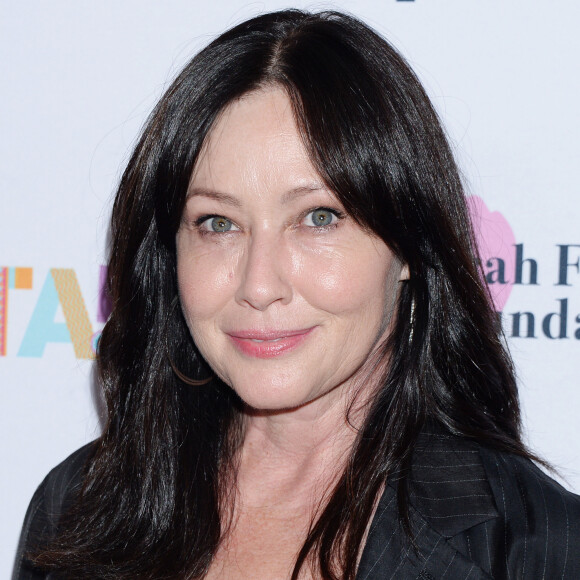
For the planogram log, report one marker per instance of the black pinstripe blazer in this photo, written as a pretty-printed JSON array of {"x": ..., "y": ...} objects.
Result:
[{"x": 476, "y": 514}]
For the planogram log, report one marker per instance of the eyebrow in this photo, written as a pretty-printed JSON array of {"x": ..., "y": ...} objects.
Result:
[
  {"x": 228, "y": 199},
  {"x": 301, "y": 191},
  {"x": 217, "y": 195}
]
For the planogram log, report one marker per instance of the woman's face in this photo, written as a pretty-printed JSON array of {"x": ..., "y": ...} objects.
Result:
[{"x": 284, "y": 294}]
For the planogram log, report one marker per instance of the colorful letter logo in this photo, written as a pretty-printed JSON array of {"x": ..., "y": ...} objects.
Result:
[
  {"x": 18, "y": 279},
  {"x": 60, "y": 288}
]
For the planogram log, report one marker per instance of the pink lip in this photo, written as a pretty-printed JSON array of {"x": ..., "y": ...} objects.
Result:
[{"x": 268, "y": 343}]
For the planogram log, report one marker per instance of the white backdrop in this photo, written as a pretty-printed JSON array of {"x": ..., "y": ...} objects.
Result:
[{"x": 78, "y": 79}]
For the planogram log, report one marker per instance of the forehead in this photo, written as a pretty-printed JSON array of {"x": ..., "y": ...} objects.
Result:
[{"x": 255, "y": 140}]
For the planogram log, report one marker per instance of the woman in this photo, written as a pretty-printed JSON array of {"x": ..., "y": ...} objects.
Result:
[{"x": 304, "y": 374}]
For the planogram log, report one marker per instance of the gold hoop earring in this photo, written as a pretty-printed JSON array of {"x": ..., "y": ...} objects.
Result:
[
  {"x": 185, "y": 378},
  {"x": 181, "y": 376}
]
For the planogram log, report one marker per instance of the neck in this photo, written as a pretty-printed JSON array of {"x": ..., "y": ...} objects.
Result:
[{"x": 296, "y": 454}]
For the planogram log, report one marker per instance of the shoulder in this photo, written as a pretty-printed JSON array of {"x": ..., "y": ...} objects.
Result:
[
  {"x": 496, "y": 508},
  {"x": 50, "y": 500},
  {"x": 62, "y": 481},
  {"x": 540, "y": 518}
]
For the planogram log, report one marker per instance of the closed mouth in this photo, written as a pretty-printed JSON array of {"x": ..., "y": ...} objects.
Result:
[{"x": 268, "y": 343}]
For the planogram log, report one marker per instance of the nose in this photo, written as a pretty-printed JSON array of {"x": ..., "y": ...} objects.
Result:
[{"x": 265, "y": 273}]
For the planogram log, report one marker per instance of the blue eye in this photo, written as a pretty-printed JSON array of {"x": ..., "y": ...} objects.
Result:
[
  {"x": 221, "y": 224},
  {"x": 321, "y": 217},
  {"x": 216, "y": 224}
]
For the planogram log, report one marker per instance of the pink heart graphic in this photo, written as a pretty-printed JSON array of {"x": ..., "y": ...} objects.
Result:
[{"x": 496, "y": 241}]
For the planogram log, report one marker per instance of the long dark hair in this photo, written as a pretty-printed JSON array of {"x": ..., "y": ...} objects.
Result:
[{"x": 158, "y": 488}]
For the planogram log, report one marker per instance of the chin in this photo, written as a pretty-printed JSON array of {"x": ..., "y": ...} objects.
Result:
[{"x": 272, "y": 398}]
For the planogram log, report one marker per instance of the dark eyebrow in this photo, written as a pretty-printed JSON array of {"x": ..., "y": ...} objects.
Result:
[
  {"x": 217, "y": 195},
  {"x": 301, "y": 191},
  {"x": 228, "y": 199}
]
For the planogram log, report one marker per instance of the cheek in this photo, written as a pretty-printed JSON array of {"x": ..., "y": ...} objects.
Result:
[
  {"x": 348, "y": 282},
  {"x": 201, "y": 300},
  {"x": 204, "y": 282}
]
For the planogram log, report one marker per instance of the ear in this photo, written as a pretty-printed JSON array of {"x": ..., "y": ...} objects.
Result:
[{"x": 405, "y": 274}]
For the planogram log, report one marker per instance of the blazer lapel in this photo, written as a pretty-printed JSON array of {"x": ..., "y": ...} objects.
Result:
[
  {"x": 449, "y": 494},
  {"x": 388, "y": 555}
]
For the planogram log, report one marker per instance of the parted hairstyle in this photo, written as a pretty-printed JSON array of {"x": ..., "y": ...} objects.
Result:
[{"x": 158, "y": 489}]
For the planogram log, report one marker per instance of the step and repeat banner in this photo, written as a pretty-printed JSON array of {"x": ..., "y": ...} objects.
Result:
[{"x": 79, "y": 78}]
